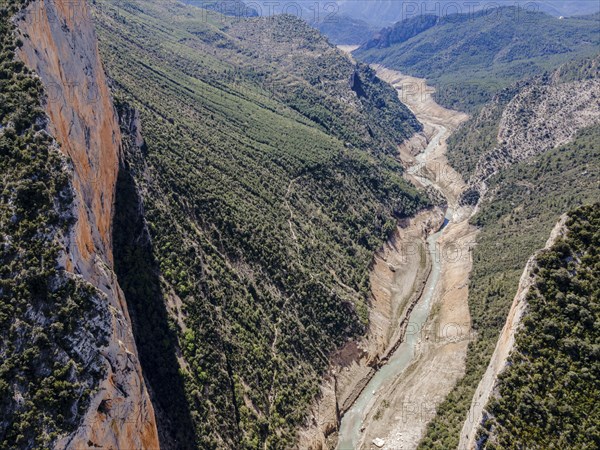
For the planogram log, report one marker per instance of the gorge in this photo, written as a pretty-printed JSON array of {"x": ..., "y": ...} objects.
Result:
[{"x": 224, "y": 232}]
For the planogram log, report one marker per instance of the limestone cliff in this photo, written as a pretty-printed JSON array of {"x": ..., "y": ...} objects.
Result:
[
  {"x": 59, "y": 44},
  {"x": 534, "y": 117}
]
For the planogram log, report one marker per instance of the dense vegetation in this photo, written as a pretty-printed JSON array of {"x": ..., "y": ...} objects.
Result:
[
  {"x": 515, "y": 221},
  {"x": 266, "y": 181},
  {"x": 547, "y": 395},
  {"x": 46, "y": 315},
  {"x": 469, "y": 57}
]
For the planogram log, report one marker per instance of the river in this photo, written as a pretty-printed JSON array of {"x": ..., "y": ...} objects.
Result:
[
  {"x": 352, "y": 422},
  {"x": 360, "y": 421}
]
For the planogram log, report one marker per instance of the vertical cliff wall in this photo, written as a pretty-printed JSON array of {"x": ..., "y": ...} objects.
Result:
[{"x": 59, "y": 44}]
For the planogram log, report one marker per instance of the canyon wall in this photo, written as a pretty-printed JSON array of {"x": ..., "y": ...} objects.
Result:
[
  {"x": 504, "y": 346},
  {"x": 59, "y": 44},
  {"x": 545, "y": 113}
]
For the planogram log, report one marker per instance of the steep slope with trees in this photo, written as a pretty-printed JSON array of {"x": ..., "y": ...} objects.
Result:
[
  {"x": 546, "y": 396},
  {"x": 261, "y": 162}
]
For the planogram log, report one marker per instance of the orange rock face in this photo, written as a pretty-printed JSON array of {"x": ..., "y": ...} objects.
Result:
[{"x": 59, "y": 44}]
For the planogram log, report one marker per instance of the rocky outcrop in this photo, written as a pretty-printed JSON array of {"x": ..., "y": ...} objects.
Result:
[
  {"x": 545, "y": 113},
  {"x": 503, "y": 348},
  {"x": 59, "y": 44}
]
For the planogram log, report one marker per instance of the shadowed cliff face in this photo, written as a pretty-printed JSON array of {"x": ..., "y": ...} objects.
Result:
[
  {"x": 139, "y": 277},
  {"x": 59, "y": 44}
]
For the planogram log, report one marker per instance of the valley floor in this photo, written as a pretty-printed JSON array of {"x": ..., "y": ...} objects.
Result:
[{"x": 397, "y": 412}]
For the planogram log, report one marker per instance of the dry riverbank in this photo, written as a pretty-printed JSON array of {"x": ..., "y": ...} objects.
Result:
[
  {"x": 399, "y": 272},
  {"x": 395, "y": 413},
  {"x": 400, "y": 411}
]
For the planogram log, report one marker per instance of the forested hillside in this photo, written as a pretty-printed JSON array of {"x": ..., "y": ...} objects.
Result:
[
  {"x": 469, "y": 57},
  {"x": 258, "y": 180},
  {"x": 547, "y": 395},
  {"x": 524, "y": 198}
]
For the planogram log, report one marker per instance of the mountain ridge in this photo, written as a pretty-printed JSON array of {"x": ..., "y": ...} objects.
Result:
[
  {"x": 511, "y": 45},
  {"x": 263, "y": 205}
]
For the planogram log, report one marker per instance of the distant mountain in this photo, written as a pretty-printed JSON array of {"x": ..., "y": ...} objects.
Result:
[
  {"x": 386, "y": 12},
  {"x": 402, "y": 32},
  {"x": 345, "y": 30},
  {"x": 470, "y": 56},
  {"x": 235, "y": 8},
  {"x": 353, "y": 22},
  {"x": 570, "y": 7}
]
